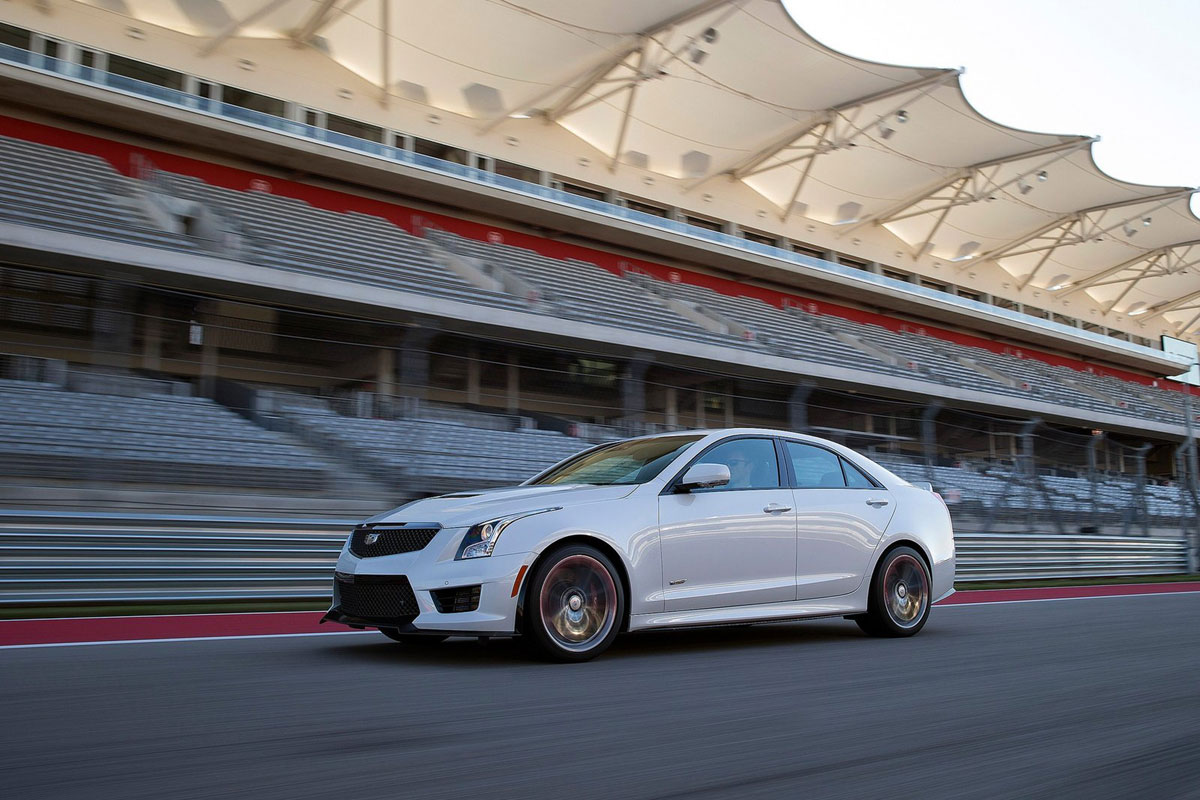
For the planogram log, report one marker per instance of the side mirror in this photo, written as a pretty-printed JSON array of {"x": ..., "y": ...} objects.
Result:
[{"x": 704, "y": 476}]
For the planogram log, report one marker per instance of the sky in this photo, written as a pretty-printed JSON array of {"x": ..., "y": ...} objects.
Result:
[{"x": 1120, "y": 70}]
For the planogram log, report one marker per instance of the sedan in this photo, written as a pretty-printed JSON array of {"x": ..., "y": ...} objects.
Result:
[{"x": 672, "y": 530}]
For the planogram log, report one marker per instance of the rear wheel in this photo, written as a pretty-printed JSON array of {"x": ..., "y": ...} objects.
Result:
[
  {"x": 414, "y": 639},
  {"x": 900, "y": 596},
  {"x": 574, "y": 605}
]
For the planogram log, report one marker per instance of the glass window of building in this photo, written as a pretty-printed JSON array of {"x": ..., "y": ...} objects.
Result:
[
  {"x": 147, "y": 73},
  {"x": 352, "y": 127},
  {"x": 13, "y": 36},
  {"x": 518, "y": 172},
  {"x": 455, "y": 155},
  {"x": 253, "y": 101}
]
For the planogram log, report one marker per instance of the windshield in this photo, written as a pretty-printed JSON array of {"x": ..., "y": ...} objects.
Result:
[{"x": 620, "y": 463}]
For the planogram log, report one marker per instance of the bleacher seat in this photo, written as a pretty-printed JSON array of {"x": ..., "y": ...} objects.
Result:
[
  {"x": 46, "y": 432},
  {"x": 52, "y": 187}
]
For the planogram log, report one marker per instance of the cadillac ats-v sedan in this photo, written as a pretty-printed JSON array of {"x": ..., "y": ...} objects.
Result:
[{"x": 671, "y": 530}]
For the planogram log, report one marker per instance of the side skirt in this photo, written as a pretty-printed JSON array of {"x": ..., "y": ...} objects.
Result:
[{"x": 800, "y": 609}]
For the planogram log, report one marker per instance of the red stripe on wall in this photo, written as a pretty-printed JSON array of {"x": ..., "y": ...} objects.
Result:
[
  {"x": 124, "y": 158},
  {"x": 1065, "y": 592},
  {"x": 185, "y": 626}
]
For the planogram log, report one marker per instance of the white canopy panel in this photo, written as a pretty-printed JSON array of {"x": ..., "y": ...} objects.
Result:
[{"x": 697, "y": 90}]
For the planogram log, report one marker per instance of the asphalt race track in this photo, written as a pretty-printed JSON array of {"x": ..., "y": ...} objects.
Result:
[{"x": 1089, "y": 698}]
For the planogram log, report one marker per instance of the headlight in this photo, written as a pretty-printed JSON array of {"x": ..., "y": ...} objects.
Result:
[{"x": 481, "y": 539}]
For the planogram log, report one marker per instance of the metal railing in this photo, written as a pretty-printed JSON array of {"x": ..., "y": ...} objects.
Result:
[
  {"x": 201, "y": 105},
  {"x": 52, "y": 558}
]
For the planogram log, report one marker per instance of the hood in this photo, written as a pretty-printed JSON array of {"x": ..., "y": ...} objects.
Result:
[{"x": 462, "y": 509}]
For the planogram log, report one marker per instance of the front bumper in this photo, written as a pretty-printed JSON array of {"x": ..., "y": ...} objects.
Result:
[
  {"x": 399, "y": 625},
  {"x": 427, "y": 571}
]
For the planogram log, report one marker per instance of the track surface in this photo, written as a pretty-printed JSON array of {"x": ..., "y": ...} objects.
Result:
[{"x": 1086, "y": 698}]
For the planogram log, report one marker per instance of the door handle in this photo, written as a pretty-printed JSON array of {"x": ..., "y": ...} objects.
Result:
[
  {"x": 776, "y": 508},
  {"x": 878, "y": 502}
]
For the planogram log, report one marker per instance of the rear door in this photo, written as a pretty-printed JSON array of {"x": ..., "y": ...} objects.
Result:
[
  {"x": 732, "y": 545},
  {"x": 841, "y": 515}
]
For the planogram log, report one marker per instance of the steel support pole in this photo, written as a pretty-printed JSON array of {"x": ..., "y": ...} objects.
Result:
[
  {"x": 1193, "y": 489},
  {"x": 929, "y": 437},
  {"x": 1094, "y": 480},
  {"x": 798, "y": 408},
  {"x": 1140, "y": 502},
  {"x": 633, "y": 395}
]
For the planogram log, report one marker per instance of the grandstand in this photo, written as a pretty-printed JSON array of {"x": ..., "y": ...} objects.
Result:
[{"x": 220, "y": 277}]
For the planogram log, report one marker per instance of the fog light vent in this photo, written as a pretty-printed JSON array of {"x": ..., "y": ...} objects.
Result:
[{"x": 457, "y": 599}]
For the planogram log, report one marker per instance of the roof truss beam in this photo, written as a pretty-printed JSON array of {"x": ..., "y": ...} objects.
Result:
[
  {"x": 235, "y": 27},
  {"x": 1085, "y": 225},
  {"x": 320, "y": 17},
  {"x": 1189, "y": 302},
  {"x": 1161, "y": 261},
  {"x": 981, "y": 181},
  {"x": 907, "y": 92},
  {"x": 584, "y": 81}
]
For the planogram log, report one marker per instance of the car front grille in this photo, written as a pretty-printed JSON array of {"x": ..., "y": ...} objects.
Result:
[
  {"x": 390, "y": 540},
  {"x": 377, "y": 597},
  {"x": 456, "y": 600}
]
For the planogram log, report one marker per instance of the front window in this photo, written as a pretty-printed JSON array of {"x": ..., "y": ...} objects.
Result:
[
  {"x": 622, "y": 463},
  {"x": 752, "y": 463}
]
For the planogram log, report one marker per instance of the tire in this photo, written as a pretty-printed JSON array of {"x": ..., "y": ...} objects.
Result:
[
  {"x": 414, "y": 639},
  {"x": 574, "y": 605},
  {"x": 904, "y": 611}
]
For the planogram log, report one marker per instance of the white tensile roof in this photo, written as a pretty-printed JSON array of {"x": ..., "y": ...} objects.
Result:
[{"x": 701, "y": 90}]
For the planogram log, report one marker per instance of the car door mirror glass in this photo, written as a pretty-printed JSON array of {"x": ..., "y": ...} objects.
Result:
[{"x": 704, "y": 476}]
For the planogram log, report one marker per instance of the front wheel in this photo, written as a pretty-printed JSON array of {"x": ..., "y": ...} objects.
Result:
[
  {"x": 574, "y": 604},
  {"x": 900, "y": 595}
]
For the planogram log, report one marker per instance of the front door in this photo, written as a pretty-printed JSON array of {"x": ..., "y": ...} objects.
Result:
[{"x": 731, "y": 545}]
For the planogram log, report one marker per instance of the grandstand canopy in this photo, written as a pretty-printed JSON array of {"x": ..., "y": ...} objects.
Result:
[{"x": 707, "y": 91}]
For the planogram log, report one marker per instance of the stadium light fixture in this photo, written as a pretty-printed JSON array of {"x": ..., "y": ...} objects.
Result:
[
  {"x": 1137, "y": 309},
  {"x": 710, "y": 35},
  {"x": 697, "y": 56},
  {"x": 902, "y": 116},
  {"x": 1130, "y": 231},
  {"x": 966, "y": 251},
  {"x": 1146, "y": 221},
  {"x": 1024, "y": 187},
  {"x": 1059, "y": 282},
  {"x": 1043, "y": 176},
  {"x": 885, "y": 132}
]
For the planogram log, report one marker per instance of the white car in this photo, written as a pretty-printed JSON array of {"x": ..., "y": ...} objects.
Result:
[{"x": 672, "y": 530}]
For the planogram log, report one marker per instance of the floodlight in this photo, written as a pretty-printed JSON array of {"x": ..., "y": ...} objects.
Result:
[
  {"x": 902, "y": 116},
  {"x": 697, "y": 55},
  {"x": 1024, "y": 187},
  {"x": 1130, "y": 231},
  {"x": 1146, "y": 221},
  {"x": 966, "y": 251},
  {"x": 885, "y": 132},
  {"x": 1043, "y": 176},
  {"x": 710, "y": 35}
]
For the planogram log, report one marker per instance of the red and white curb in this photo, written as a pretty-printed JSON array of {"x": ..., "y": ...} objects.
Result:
[{"x": 19, "y": 633}]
